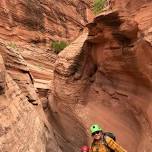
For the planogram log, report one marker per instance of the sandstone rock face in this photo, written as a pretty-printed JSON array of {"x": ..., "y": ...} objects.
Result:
[
  {"x": 129, "y": 6},
  {"x": 26, "y": 73},
  {"x": 17, "y": 129},
  {"x": 23, "y": 124},
  {"x": 42, "y": 21},
  {"x": 110, "y": 83},
  {"x": 104, "y": 76}
]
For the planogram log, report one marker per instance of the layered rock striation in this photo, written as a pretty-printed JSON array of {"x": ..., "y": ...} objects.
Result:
[
  {"x": 109, "y": 79},
  {"x": 42, "y": 21},
  {"x": 27, "y": 29},
  {"x": 48, "y": 102}
]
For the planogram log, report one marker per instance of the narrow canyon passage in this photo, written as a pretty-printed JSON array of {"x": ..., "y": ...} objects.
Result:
[
  {"x": 103, "y": 74},
  {"x": 106, "y": 79}
]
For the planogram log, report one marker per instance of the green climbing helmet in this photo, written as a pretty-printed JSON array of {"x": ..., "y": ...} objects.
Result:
[{"x": 95, "y": 127}]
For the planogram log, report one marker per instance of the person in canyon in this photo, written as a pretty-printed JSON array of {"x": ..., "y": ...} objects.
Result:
[
  {"x": 103, "y": 142},
  {"x": 84, "y": 149}
]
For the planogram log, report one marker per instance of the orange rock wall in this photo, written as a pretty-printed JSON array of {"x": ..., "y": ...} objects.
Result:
[
  {"x": 110, "y": 81},
  {"x": 26, "y": 72},
  {"x": 42, "y": 21}
]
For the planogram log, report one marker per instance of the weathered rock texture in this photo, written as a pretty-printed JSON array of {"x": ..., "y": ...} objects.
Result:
[
  {"x": 42, "y": 20},
  {"x": 26, "y": 73},
  {"x": 106, "y": 77},
  {"x": 18, "y": 132}
]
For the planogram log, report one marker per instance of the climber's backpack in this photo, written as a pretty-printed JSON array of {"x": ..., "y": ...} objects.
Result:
[{"x": 111, "y": 135}]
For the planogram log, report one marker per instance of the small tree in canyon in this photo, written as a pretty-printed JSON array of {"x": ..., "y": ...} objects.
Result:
[
  {"x": 58, "y": 46},
  {"x": 98, "y": 6}
]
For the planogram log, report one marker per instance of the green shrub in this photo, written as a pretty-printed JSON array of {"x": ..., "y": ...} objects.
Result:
[
  {"x": 58, "y": 46},
  {"x": 98, "y": 6}
]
